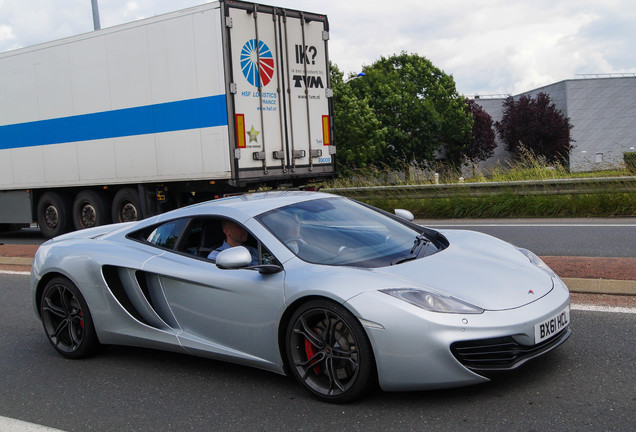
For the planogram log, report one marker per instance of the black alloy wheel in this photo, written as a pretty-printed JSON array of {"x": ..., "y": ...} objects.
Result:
[
  {"x": 328, "y": 352},
  {"x": 67, "y": 320}
]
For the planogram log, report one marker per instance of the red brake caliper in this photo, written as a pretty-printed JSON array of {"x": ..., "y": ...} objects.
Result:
[{"x": 311, "y": 351}]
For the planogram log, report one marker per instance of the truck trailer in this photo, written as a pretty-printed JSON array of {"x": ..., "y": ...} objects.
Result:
[{"x": 130, "y": 121}]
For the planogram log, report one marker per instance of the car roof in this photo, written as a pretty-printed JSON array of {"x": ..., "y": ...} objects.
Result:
[{"x": 243, "y": 207}]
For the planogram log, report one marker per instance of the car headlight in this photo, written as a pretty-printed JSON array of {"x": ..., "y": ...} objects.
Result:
[
  {"x": 534, "y": 259},
  {"x": 432, "y": 302}
]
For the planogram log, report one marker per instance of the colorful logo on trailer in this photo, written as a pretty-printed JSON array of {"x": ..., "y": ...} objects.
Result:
[{"x": 259, "y": 74}]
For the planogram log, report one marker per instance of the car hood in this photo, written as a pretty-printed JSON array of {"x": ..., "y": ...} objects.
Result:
[{"x": 476, "y": 268}]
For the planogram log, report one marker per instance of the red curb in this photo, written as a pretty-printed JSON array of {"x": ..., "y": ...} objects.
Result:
[
  {"x": 17, "y": 250},
  {"x": 593, "y": 267}
]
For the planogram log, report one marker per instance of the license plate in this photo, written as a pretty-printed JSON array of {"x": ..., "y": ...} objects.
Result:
[{"x": 548, "y": 328}]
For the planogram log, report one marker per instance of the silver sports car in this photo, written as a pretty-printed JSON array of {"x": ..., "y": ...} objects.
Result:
[{"x": 334, "y": 292}]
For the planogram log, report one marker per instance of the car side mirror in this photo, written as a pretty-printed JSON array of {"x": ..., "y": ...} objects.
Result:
[
  {"x": 234, "y": 258},
  {"x": 267, "y": 268},
  {"x": 239, "y": 257},
  {"x": 404, "y": 214}
]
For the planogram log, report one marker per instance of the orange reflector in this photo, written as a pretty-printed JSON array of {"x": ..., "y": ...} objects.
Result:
[
  {"x": 326, "y": 130},
  {"x": 240, "y": 130}
]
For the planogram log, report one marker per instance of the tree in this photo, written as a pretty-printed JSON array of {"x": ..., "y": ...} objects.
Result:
[
  {"x": 420, "y": 107},
  {"x": 537, "y": 125},
  {"x": 482, "y": 143},
  {"x": 358, "y": 133}
]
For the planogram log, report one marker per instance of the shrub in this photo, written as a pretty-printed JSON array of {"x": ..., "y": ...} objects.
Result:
[{"x": 630, "y": 161}]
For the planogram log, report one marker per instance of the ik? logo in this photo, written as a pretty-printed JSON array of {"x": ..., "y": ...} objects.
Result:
[{"x": 257, "y": 63}]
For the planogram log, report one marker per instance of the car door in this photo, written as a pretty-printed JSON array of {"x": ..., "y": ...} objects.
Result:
[{"x": 228, "y": 313}]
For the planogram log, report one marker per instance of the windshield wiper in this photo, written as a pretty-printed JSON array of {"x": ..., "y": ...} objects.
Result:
[
  {"x": 418, "y": 246},
  {"x": 420, "y": 240}
]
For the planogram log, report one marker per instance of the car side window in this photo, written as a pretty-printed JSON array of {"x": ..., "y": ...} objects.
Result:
[
  {"x": 201, "y": 237},
  {"x": 235, "y": 234},
  {"x": 167, "y": 234},
  {"x": 267, "y": 257}
]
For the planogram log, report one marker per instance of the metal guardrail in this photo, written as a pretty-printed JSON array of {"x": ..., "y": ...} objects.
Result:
[{"x": 524, "y": 187}]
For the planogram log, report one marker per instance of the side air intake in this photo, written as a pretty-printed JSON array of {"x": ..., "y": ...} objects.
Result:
[{"x": 140, "y": 294}]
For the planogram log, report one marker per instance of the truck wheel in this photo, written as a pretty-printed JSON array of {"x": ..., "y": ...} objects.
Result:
[
  {"x": 54, "y": 214},
  {"x": 90, "y": 209},
  {"x": 126, "y": 206}
]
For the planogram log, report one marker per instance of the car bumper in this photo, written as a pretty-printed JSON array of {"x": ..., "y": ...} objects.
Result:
[{"x": 412, "y": 347}]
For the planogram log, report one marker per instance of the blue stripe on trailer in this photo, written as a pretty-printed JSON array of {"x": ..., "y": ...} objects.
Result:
[{"x": 165, "y": 117}]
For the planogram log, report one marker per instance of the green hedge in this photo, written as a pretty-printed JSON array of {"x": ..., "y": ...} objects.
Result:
[
  {"x": 630, "y": 161},
  {"x": 507, "y": 205}
]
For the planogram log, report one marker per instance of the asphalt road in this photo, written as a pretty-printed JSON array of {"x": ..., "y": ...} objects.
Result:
[
  {"x": 587, "y": 384},
  {"x": 29, "y": 236},
  {"x": 592, "y": 237}
]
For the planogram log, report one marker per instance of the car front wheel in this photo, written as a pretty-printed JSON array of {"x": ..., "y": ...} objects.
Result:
[
  {"x": 67, "y": 320},
  {"x": 328, "y": 352}
]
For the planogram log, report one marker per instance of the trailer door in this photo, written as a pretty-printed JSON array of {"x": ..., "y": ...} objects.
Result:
[{"x": 279, "y": 80}]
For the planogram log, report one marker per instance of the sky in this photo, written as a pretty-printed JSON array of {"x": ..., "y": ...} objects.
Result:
[{"x": 490, "y": 47}]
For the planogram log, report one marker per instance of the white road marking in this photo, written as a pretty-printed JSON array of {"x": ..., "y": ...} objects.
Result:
[
  {"x": 597, "y": 308},
  {"x": 13, "y": 425},
  {"x": 24, "y": 273}
]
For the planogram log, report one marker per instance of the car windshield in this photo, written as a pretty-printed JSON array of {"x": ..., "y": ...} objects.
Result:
[{"x": 338, "y": 231}]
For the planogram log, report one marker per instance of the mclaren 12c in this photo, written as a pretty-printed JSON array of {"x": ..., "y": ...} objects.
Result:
[{"x": 338, "y": 294}]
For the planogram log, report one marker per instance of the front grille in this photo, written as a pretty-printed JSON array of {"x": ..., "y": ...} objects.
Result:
[{"x": 504, "y": 353}]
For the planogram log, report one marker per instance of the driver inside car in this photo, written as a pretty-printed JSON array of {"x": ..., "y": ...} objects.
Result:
[{"x": 235, "y": 235}]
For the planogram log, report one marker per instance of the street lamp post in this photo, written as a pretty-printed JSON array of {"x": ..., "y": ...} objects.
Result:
[
  {"x": 360, "y": 75},
  {"x": 96, "y": 24}
]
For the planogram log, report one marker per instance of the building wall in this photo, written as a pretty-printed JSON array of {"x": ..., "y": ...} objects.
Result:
[
  {"x": 602, "y": 112},
  {"x": 494, "y": 107}
]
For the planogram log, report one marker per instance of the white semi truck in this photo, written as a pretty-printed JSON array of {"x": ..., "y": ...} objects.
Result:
[{"x": 130, "y": 121}]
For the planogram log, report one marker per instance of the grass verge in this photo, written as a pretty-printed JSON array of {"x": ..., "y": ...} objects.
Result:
[
  {"x": 527, "y": 166},
  {"x": 586, "y": 201},
  {"x": 508, "y": 205}
]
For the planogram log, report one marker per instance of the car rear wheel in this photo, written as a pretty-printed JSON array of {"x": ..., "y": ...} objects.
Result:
[
  {"x": 328, "y": 352},
  {"x": 67, "y": 320}
]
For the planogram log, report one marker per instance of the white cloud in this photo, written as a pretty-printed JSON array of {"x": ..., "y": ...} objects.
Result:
[
  {"x": 489, "y": 46},
  {"x": 6, "y": 35}
]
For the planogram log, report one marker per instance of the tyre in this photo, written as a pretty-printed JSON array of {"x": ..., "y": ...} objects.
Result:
[
  {"x": 66, "y": 319},
  {"x": 54, "y": 214},
  {"x": 328, "y": 352},
  {"x": 90, "y": 209},
  {"x": 126, "y": 206}
]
